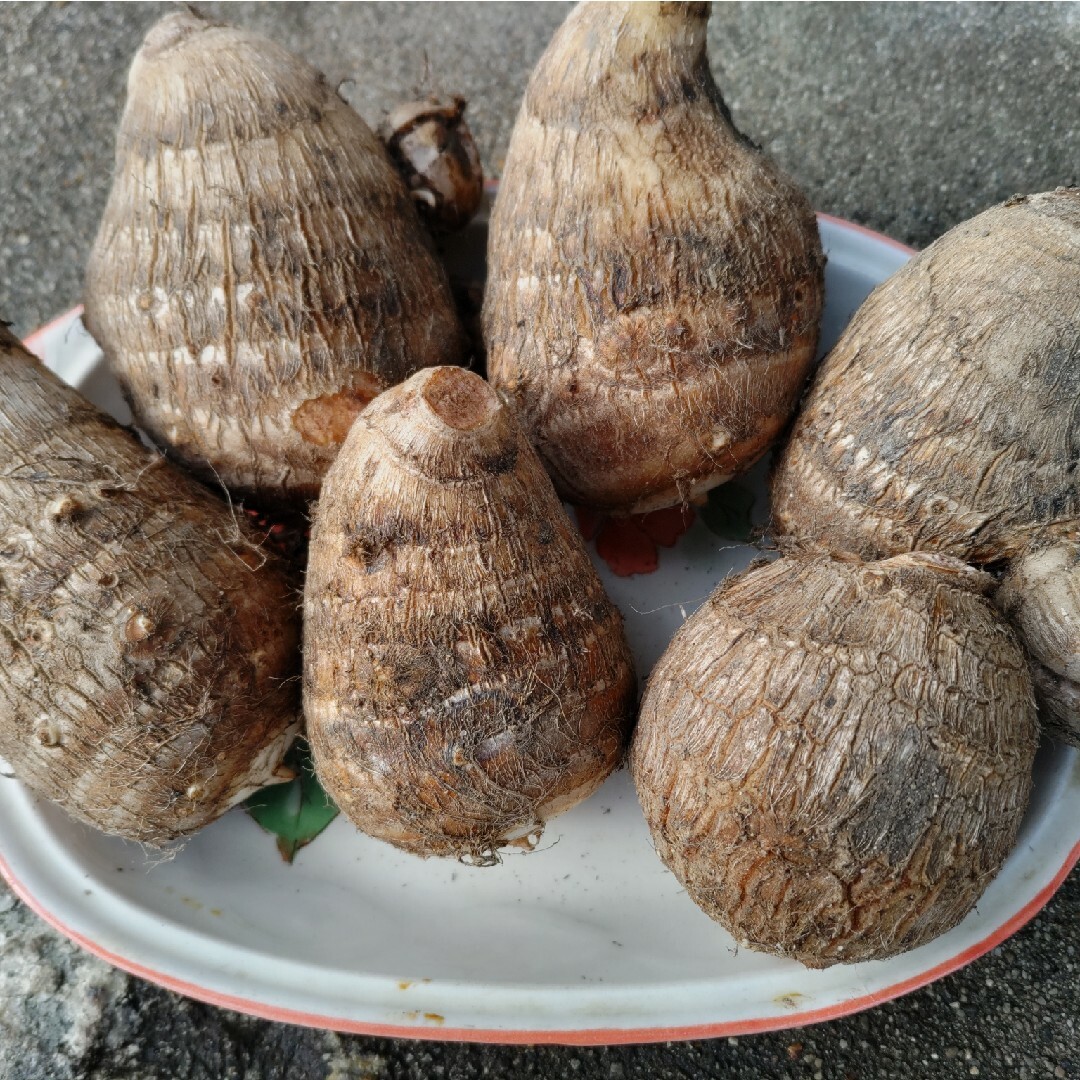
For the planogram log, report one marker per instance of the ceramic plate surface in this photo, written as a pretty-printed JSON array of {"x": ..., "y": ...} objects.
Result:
[{"x": 586, "y": 940}]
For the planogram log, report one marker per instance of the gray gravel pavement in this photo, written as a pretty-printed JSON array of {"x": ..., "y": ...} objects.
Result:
[{"x": 905, "y": 118}]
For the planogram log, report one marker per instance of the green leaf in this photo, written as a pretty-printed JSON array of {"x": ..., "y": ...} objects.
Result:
[
  {"x": 727, "y": 513},
  {"x": 295, "y": 812}
]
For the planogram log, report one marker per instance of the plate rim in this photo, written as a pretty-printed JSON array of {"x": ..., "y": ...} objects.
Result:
[
  {"x": 35, "y": 343},
  {"x": 598, "y": 1036}
]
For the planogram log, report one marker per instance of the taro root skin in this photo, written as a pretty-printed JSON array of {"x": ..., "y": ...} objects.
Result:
[
  {"x": 834, "y": 757},
  {"x": 655, "y": 284},
  {"x": 944, "y": 419},
  {"x": 148, "y": 646},
  {"x": 1040, "y": 595},
  {"x": 260, "y": 273},
  {"x": 465, "y": 675}
]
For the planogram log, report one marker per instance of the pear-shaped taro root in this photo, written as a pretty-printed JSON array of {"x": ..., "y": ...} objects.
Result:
[
  {"x": 834, "y": 757},
  {"x": 465, "y": 675},
  {"x": 946, "y": 416},
  {"x": 148, "y": 647},
  {"x": 655, "y": 284},
  {"x": 260, "y": 273}
]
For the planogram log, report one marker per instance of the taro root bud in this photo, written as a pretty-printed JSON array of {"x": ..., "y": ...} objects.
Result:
[{"x": 434, "y": 151}]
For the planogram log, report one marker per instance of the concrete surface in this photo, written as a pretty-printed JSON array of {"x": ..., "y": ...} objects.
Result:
[{"x": 906, "y": 118}]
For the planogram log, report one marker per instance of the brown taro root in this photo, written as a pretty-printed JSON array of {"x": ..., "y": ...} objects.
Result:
[
  {"x": 1040, "y": 595},
  {"x": 434, "y": 151},
  {"x": 655, "y": 284},
  {"x": 260, "y": 273},
  {"x": 945, "y": 418},
  {"x": 465, "y": 675},
  {"x": 148, "y": 647},
  {"x": 834, "y": 757}
]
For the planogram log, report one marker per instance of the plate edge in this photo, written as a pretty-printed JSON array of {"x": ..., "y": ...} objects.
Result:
[{"x": 568, "y": 1037}]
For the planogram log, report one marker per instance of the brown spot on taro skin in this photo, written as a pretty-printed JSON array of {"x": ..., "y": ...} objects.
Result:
[
  {"x": 66, "y": 509},
  {"x": 325, "y": 421},
  {"x": 502, "y": 462}
]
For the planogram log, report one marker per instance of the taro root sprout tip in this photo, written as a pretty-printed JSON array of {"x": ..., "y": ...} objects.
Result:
[{"x": 435, "y": 152}]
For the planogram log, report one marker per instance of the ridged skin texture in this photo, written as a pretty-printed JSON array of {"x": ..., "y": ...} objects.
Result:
[
  {"x": 946, "y": 417},
  {"x": 654, "y": 283},
  {"x": 834, "y": 757},
  {"x": 260, "y": 273},
  {"x": 1040, "y": 595},
  {"x": 465, "y": 675},
  {"x": 148, "y": 646}
]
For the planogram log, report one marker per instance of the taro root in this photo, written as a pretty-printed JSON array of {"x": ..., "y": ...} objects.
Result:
[
  {"x": 834, "y": 756},
  {"x": 465, "y": 675},
  {"x": 655, "y": 284},
  {"x": 945, "y": 418},
  {"x": 1040, "y": 595},
  {"x": 148, "y": 647},
  {"x": 260, "y": 273},
  {"x": 434, "y": 151}
]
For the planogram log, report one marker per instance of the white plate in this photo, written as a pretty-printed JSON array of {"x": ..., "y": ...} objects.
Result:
[{"x": 587, "y": 940}]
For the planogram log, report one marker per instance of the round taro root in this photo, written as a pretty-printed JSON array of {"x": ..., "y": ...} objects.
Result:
[
  {"x": 655, "y": 284},
  {"x": 260, "y": 273},
  {"x": 834, "y": 757},
  {"x": 465, "y": 675},
  {"x": 148, "y": 646},
  {"x": 945, "y": 417}
]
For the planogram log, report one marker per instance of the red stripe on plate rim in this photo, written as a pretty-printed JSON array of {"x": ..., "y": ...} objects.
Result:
[
  {"x": 881, "y": 238},
  {"x": 35, "y": 343}
]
